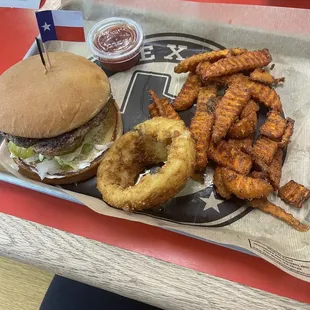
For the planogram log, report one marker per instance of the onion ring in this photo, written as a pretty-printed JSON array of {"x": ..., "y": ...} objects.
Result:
[{"x": 152, "y": 142}]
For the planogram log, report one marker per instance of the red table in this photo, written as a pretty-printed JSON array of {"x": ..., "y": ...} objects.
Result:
[
  {"x": 168, "y": 246},
  {"x": 23, "y": 27}
]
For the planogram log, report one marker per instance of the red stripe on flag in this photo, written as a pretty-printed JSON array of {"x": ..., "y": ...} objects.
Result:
[{"x": 74, "y": 34}]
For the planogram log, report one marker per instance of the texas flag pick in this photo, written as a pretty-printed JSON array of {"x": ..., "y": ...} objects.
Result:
[{"x": 61, "y": 25}]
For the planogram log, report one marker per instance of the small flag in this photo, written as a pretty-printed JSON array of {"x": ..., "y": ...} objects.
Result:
[{"x": 61, "y": 25}]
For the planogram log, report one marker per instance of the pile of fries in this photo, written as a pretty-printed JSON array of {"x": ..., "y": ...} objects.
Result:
[{"x": 224, "y": 127}]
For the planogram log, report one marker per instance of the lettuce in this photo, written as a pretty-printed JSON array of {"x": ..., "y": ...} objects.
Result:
[
  {"x": 77, "y": 160},
  {"x": 19, "y": 151}
]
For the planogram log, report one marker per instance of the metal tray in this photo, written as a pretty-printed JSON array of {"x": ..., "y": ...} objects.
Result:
[{"x": 189, "y": 207}]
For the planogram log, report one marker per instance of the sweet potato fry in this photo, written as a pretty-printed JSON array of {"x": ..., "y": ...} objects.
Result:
[
  {"x": 236, "y": 51},
  {"x": 205, "y": 94},
  {"x": 196, "y": 123},
  {"x": 201, "y": 67},
  {"x": 246, "y": 61},
  {"x": 201, "y": 154},
  {"x": 294, "y": 194},
  {"x": 202, "y": 123},
  {"x": 289, "y": 130},
  {"x": 270, "y": 208},
  {"x": 247, "y": 124},
  {"x": 274, "y": 125},
  {"x": 244, "y": 145},
  {"x": 188, "y": 94},
  {"x": 156, "y": 101},
  {"x": 259, "y": 175},
  {"x": 251, "y": 107},
  {"x": 229, "y": 156},
  {"x": 260, "y": 165},
  {"x": 243, "y": 128},
  {"x": 190, "y": 63},
  {"x": 265, "y": 95},
  {"x": 245, "y": 187},
  {"x": 264, "y": 150},
  {"x": 260, "y": 92},
  {"x": 168, "y": 109},
  {"x": 163, "y": 107},
  {"x": 263, "y": 76},
  {"x": 154, "y": 112},
  {"x": 154, "y": 96},
  {"x": 275, "y": 170},
  {"x": 201, "y": 127},
  {"x": 219, "y": 184},
  {"x": 228, "y": 110},
  {"x": 227, "y": 80}
]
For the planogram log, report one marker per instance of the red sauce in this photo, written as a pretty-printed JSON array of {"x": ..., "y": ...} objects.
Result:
[
  {"x": 117, "y": 40},
  {"x": 120, "y": 66}
]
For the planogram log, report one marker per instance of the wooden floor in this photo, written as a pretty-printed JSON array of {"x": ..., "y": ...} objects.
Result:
[{"x": 22, "y": 287}]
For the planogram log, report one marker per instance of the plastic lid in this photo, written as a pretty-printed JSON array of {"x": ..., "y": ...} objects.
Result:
[{"x": 121, "y": 53}]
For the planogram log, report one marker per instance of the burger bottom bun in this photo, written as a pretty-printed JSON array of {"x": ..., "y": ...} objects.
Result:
[
  {"x": 113, "y": 129},
  {"x": 79, "y": 176}
]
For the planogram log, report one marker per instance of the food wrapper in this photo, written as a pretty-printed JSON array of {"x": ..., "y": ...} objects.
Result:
[{"x": 175, "y": 30}]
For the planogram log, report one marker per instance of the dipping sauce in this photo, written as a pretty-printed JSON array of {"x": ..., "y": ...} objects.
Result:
[
  {"x": 115, "y": 38},
  {"x": 117, "y": 43}
]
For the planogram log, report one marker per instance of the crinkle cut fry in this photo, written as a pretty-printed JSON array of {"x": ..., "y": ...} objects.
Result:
[
  {"x": 154, "y": 97},
  {"x": 259, "y": 92},
  {"x": 244, "y": 145},
  {"x": 265, "y": 149},
  {"x": 228, "y": 110},
  {"x": 202, "y": 123},
  {"x": 226, "y": 155},
  {"x": 245, "y": 187},
  {"x": 188, "y": 94},
  {"x": 205, "y": 104},
  {"x": 243, "y": 128},
  {"x": 230, "y": 79},
  {"x": 163, "y": 106},
  {"x": 294, "y": 194},
  {"x": 168, "y": 109},
  {"x": 259, "y": 175},
  {"x": 246, "y": 61},
  {"x": 201, "y": 127},
  {"x": 201, "y": 67},
  {"x": 263, "y": 76},
  {"x": 265, "y": 95},
  {"x": 219, "y": 184},
  {"x": 274, "y": 210},
  {"x": 190, "y": 63},
  {"x": 250, "y": 108},
  {"x": 158, "y": 103},
  {"x": 288, "y": 132},
  {"x": 274, "y": 125},
  {"x": 247, "y": 124},
  {"x": 206, "y": 94},
  {"x": 275, "y": 170},
  {"x": 154, "y": 112}
]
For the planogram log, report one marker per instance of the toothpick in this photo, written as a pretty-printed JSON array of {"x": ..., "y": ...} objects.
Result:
[
  {"x": 41, "y": 54},
  {"x": 47, "y": 56}
]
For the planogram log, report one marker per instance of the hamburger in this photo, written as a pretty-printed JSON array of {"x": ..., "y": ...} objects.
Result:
[{"x": 57, "y": 125}]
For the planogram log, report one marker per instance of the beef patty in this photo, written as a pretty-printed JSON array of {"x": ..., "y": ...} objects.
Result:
[{"x": 64, "y": 143}]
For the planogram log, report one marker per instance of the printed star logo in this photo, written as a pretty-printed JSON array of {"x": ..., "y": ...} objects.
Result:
[
  {"x": 211, "y": 202},
  {"x": 46, "y": 26}
]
